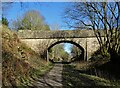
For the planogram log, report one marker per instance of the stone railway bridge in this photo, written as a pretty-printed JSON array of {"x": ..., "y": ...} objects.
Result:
[{"x": 83, "y": 39}]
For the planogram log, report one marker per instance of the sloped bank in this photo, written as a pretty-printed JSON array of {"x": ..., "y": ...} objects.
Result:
[{"x": 20, "y": 64}]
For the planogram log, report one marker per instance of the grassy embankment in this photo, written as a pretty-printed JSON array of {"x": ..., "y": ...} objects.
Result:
[
  {"x": 72, "y": 78},
  {"x": 100, "y": 70},
  {"x": 20, "y": 64}
]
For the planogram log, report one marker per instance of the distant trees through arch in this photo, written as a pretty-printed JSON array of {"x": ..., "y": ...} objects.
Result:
[{"x": 65, "y": 51}]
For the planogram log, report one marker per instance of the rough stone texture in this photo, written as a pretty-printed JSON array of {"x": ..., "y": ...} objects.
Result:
[
  {"x": 57, "y": 34},
  {"x": 90, "y": 45},
  {"x": 37, "y": 39}
]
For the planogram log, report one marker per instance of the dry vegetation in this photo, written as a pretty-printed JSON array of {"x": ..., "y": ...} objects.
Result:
[
  {"x": 20, "y": 64},
  {"x": 100, "y": 68}
]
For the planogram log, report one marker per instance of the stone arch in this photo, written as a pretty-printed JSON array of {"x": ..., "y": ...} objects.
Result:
[{"x": 67, "y": 41}]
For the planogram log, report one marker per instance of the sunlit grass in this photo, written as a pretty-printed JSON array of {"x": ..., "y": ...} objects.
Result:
[{"x": 74, "y": 78}]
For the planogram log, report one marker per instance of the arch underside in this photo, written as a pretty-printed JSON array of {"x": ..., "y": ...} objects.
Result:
[
  {"x": 85, "y": 38},
  {"x": 90, "y": 45},
  {"x": 81, "y": 56}
]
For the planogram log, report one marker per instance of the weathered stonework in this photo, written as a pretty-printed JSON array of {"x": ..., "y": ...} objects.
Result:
[
  {"x": 57, "y": 34},
  {"x": 85, "y": 38}
]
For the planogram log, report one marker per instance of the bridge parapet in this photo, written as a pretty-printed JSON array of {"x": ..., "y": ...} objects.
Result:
[
  {"x": 28, "y": 34},
  {"x": 44, "y": 39}
]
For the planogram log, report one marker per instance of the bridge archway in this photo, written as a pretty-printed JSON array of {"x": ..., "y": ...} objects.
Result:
[
  {"x": 84, "y": 38},
  {"x": 67, "y": 41}
]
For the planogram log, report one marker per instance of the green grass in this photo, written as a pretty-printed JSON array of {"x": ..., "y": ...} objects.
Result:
[
  {"x": 101, "y": 68},
  {"x": 73, "y": 78}
]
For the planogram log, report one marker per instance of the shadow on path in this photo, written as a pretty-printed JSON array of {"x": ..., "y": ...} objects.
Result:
[
  {"x": 65, "y": 76},
  {"x": 74, "y": 79},
  {"x": 52, "y": 79}
]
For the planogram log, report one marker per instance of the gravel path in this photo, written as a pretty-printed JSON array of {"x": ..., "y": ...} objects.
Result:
[
  {"x": 65, "y": 76},
  {"x": 53, "y": 79}
]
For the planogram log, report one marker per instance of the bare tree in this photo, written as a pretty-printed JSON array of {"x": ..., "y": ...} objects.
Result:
[
  {"x": 55, "y": 26},
  {"x": 75, "y": 52},
  {"x": 98, "y": 15},
  {"x": 58, "y": 53}
]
